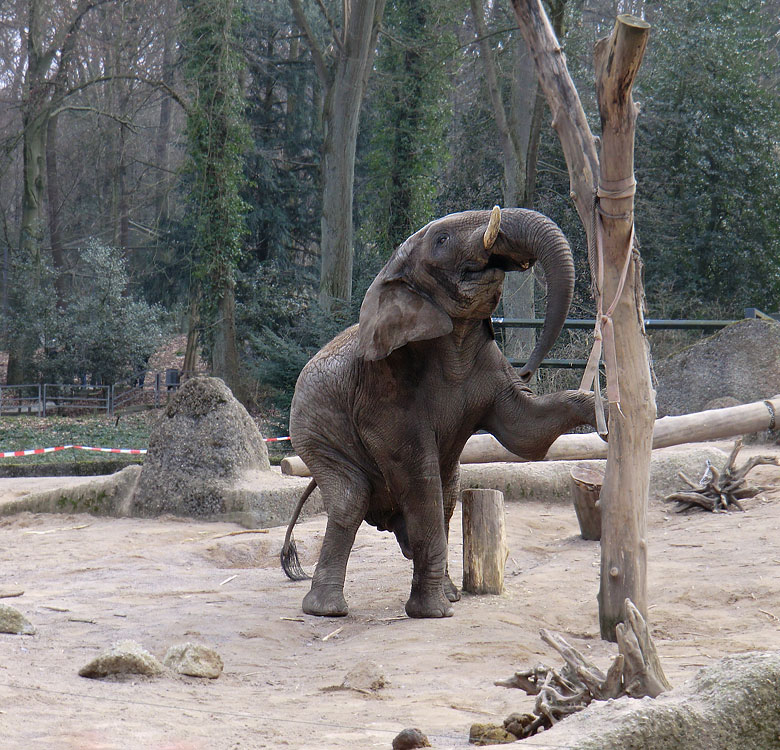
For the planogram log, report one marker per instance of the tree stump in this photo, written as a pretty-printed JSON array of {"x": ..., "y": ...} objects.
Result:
[
  {"x": 484, "y": 541},
  {"x": 585, "y": 489}
]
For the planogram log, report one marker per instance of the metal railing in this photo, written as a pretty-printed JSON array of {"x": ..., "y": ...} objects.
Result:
[
  {"x": 21, "y": 399},
  {"x": 589, "y": 323},
  {"x": 61, "y": 397},
  {"x": 145, "y": 388}
]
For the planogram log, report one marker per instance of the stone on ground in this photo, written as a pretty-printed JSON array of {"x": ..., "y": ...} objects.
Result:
[
  {"x": 365, "y": 676},
  {"x": 194, "y": 659},
  {"x": 126, "y": 657},
  {"x": 14, "y": 622},
  {"x": 410, "y": 739}
]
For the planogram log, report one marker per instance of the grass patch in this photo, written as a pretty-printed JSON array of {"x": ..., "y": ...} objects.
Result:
[{"x": 25, "y": 432}]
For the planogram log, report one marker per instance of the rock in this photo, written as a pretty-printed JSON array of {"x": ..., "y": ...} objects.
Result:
[
  {"x": 204, "y": 443},
  {"x": 734, "y": 703},
  {"x": 194, "y": 660},
  {"x": 740, "y": 362},
  {"x": 489, "y": 734},
  {"x": 13, "y": 621},
  {"x": 410, "y": 739},
  {"x": 365, "y": 676},
  {"x": 127, "y": 657}
]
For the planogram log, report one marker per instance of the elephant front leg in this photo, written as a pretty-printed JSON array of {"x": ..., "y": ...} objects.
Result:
[{"x": 428, "y": 540}]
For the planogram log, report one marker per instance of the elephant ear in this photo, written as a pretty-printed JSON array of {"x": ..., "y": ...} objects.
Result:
[{"x": 393, "y": 314}]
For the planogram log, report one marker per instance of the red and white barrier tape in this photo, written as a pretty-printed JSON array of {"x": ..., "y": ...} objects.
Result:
[{"x": 133, "y": 451}]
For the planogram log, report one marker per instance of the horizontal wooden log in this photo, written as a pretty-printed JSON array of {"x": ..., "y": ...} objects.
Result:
[{"x": 700, "y": 426}]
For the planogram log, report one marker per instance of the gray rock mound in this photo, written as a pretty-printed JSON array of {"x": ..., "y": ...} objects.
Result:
[
  {"x": 126, "y": 657},
  {"x": 14, "y": 622},
  {"x": 738, "y": 365},
  {"x": 194, "y": 659},
  {"x": 204, "y": 444},
  {"x": 735, "y": 703}
]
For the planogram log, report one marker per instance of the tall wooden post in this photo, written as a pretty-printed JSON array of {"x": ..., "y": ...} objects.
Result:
[
  {"x": 627, "y": 478},
  {"x": 609, "y": 179}
]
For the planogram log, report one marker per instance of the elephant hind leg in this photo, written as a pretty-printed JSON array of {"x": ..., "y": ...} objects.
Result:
[{"x": 346, "y": 499}]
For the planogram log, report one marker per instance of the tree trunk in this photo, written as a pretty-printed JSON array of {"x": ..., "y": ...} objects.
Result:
[
  {"x": 626, "y": 483},
  {"x": 344, "y": 82},
  {"x": 224, "y": 357},
  {"x": 53, "y": 205},
  {"x": 190, "y": 366},
  {"x": 342, "y": 106},
  {"x": 163, "y": 136}
]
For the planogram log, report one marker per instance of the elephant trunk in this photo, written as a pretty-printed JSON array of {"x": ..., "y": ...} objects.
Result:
[{"x": 528, "y": 236}]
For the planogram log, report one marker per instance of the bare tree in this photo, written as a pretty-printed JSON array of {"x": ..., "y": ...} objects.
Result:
[{"x": 343, "y": 70}]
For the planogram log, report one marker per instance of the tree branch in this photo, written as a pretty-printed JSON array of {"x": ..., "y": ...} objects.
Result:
[
  {"x": 320, "y": 65},
  {"x": 569, "y": 119}
]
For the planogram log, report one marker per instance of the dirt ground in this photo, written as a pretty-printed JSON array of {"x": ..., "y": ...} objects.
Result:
[{"x": 714, "y": 589}]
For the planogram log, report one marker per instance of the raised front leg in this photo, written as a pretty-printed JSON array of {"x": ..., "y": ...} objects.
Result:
[
  {"x": 528, "y": 425},
  {"x": 346, "y": 500}
]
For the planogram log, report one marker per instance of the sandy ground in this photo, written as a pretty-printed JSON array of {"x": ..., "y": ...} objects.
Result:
[{"x": 714, "y": 589}]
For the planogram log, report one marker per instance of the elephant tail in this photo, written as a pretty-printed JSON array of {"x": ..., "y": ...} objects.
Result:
[{"x": 291, "y": 565}]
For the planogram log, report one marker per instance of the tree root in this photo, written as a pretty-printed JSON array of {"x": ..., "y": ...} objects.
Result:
[
  {"x": 636, "y": 671},
  {"x": 720, "y": 491}
]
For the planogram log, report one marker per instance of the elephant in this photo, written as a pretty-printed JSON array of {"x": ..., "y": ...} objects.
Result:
[{"x": 380, "y": 414}]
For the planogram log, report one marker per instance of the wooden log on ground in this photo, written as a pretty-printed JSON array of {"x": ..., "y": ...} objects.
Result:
[
  {"x": 700, "y": 426},
  {"x": 484, "y": 541}
]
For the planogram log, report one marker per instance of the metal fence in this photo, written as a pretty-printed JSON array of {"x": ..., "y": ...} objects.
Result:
[
  {"x": 650, "y": 324},
  {"x": 144, "y": 389}
]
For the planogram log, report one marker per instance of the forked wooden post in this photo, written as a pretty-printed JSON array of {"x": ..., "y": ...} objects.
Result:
[
  {"x": 610, "y": 178},
  {"x": 627, "y": 478},
  {"x": 484, "y": 541}
]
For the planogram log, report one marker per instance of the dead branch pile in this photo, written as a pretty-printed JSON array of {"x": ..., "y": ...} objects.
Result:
[
  {"x": 720, "y": 491},
  {"x": 636, "y": 671}
]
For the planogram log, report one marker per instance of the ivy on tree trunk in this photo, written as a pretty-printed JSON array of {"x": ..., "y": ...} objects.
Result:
[{"x": 217, "y": 139}]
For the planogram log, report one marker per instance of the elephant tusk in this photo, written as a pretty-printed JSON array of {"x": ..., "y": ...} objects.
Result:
[{"x": 492, "y": 230}]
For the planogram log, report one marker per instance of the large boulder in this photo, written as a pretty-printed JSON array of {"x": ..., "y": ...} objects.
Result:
[
  {"x": 204, "y": 444},
  {"x": 738, "y": 365}
]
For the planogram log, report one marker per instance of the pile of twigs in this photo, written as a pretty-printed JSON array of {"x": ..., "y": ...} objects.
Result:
[{"x": 721, "y": 491}]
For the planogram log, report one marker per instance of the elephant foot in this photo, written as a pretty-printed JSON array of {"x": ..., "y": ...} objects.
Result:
[
  {"x": 429, "y": 604},
  {"x": 450, "y": 589},
  {"x": 325, "y": 601}
]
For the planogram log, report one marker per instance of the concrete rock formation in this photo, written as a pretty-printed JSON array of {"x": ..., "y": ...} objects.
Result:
[
  {"x": 204, "y": 444},
  {"x": 738, "y": 365}
]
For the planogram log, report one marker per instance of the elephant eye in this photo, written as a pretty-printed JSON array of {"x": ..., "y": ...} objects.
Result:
[{"x": 442, "y": 239}]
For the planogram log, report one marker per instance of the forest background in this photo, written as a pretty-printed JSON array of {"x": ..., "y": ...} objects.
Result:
[{"x": 240, "y": 169}]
